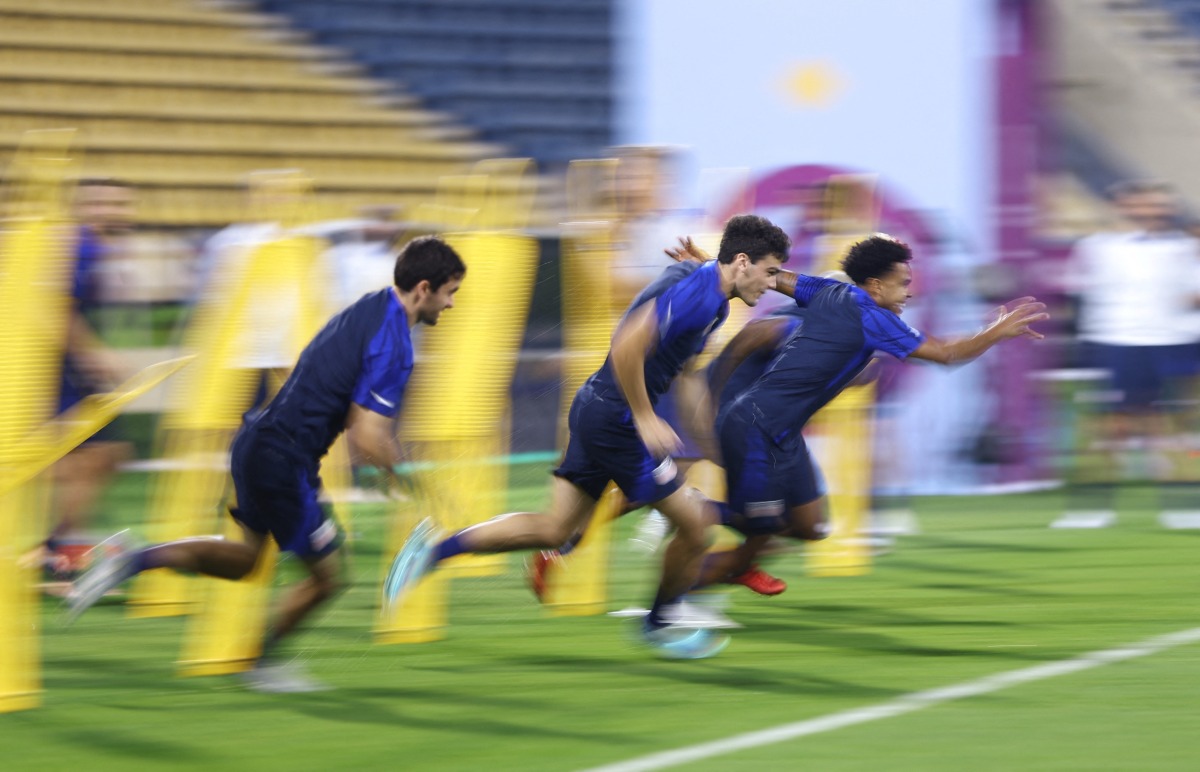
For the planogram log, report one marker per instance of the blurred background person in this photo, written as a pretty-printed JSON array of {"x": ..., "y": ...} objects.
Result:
[
  {"x": 362, "y": 251},
  {"x": 104, "y": 215},
  {"x": 269, "y": 339},
  {"x": 649, "y": 217},
  {"x": 1136, "y": 288}
]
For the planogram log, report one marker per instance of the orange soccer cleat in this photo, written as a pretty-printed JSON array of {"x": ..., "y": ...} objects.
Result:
[
  {"x": 757, "y": 580},
  {"x": 536, "y": 568}
]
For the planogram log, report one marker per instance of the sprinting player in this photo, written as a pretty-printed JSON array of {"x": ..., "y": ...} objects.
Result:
[
  {"x": 728, "y": 377},
  {"x": 351, "y": 376},
  {"x": 616, "y": 435},
  {"x": 734, "y": 379},
  {"x": 772, "y": 481}
]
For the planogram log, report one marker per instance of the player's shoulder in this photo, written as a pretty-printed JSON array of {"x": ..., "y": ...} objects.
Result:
[
  {"x": 371, "y": 303},
  {"x": 674, "y": 280},
  {"x": 693, "y": 278},
  {"x": 680, "y": 274},
  {"x": 368, "y": 314}
]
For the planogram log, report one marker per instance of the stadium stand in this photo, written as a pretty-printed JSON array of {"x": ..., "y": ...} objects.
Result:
[
  {"x": 1127, "y": 70},
  {"x": 184, "y": 98},
  {"x": 535, "y": 75}
]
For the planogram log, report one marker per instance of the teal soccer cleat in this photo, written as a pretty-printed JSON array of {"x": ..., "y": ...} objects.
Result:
[
  {"x": 411, "y": 563},
  {"x": 674, "y": 643}
]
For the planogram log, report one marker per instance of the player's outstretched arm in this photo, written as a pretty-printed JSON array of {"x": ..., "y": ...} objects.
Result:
[
  {"x": 1008, "y": 324},
  {"x": 635, "y": 338}
]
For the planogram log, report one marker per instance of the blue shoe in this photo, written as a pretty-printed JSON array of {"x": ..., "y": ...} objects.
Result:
[
  {"x": 411, "y": 563},
  {"x": 675, "y": 643}
]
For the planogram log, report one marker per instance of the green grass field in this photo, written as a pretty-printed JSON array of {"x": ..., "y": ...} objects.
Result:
[{"x": 986, "y": 588}]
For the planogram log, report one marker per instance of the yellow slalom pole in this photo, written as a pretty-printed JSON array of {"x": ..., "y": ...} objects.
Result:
[
  {"x": 422, "y": 616},
  {"x": 225, "y": 636},
  {"x": 843, "y": 449},
  {"x": 578, "y": 584},
  {"x": 843, "y": 428},
  {"x": 58, "y": 437},
  {"x": 457, "y": 404},
  {"x": 34, "y": 278}
]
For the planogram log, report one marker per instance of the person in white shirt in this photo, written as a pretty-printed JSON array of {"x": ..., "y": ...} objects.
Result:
[{"x": 1137, "y": 291}]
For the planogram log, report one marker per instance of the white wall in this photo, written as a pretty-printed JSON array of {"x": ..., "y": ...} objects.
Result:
[{"x": 911, "y": 98}]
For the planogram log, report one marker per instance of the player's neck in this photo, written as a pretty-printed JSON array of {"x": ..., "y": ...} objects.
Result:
[
  {"x": 874, "y": 297},
  {"x": 727, "y": 273},
  {"x": 409, "y": 304}
]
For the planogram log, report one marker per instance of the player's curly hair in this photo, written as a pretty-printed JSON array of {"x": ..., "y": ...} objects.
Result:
[
  {"x": 755, "y": 236},
  {"x": 874, "y": 257},
  {"x": 427, "y": 258}
]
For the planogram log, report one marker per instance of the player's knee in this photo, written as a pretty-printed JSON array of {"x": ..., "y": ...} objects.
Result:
[
  {"x": 809, "y": 531},
  {"x": 692, "y": 534},
  {"x": 328, "y": 586},
  {"x": 557, "y": 533}
]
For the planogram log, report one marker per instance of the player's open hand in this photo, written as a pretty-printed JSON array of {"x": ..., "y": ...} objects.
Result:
[
  {"x": 1016, "y": 322},
  {"x": 687, "y": 251},
  {"x": 658, "y": 436}
]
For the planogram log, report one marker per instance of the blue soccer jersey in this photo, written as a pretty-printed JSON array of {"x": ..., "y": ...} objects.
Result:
[
  {"x": 689, "y": 307},
  {"x": 604, "y": 444},
  {"x": 843, "y": 327},
  {"x": 363, "y": 356},
  {"x": 754, "y": 365},
  {"x": 74, "y": 385}
]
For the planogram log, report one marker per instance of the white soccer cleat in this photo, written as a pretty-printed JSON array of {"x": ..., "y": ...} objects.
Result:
[
  {"x": 696, "y": 615},
  {"x": 650, "y": 532},
  {"x": 106, "y": 574},
  {"x": 281, "y": 678}
]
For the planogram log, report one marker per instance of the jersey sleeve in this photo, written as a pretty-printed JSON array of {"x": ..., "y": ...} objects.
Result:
[
  {"x": 689, "y": 306},
  {"x": 884, "y": 331},
  {"x": 808, "y": 286},
  {"x": 386, "y": 366}
]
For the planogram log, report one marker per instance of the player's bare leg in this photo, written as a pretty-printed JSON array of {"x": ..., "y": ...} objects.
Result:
[
  {"x": 720, "y": 566},
  {"x": 570, "y": 511},
  {"x": 691, "y": 515},
  {"x": 205, "y": 555},
  {"x": 809, "y": 522},
  {"x": 325, "y": 580}
]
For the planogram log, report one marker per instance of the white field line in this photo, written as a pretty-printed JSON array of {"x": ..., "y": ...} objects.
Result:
[{"x": 909, "y": 703}]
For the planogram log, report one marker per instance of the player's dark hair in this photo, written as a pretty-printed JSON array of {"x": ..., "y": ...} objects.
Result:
[
  {"x": 427, "y": 259},
  {"x": 874, "y": 257},
  {"x": 755, "y": 236}
]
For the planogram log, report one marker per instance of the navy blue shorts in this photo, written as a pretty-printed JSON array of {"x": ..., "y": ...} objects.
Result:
[
  {"x": 277, "y": 494},
  {"x": 765, "y": 481},
  {"x": 1145, "y": 375},
  {"x": 604, "y": 445}
]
